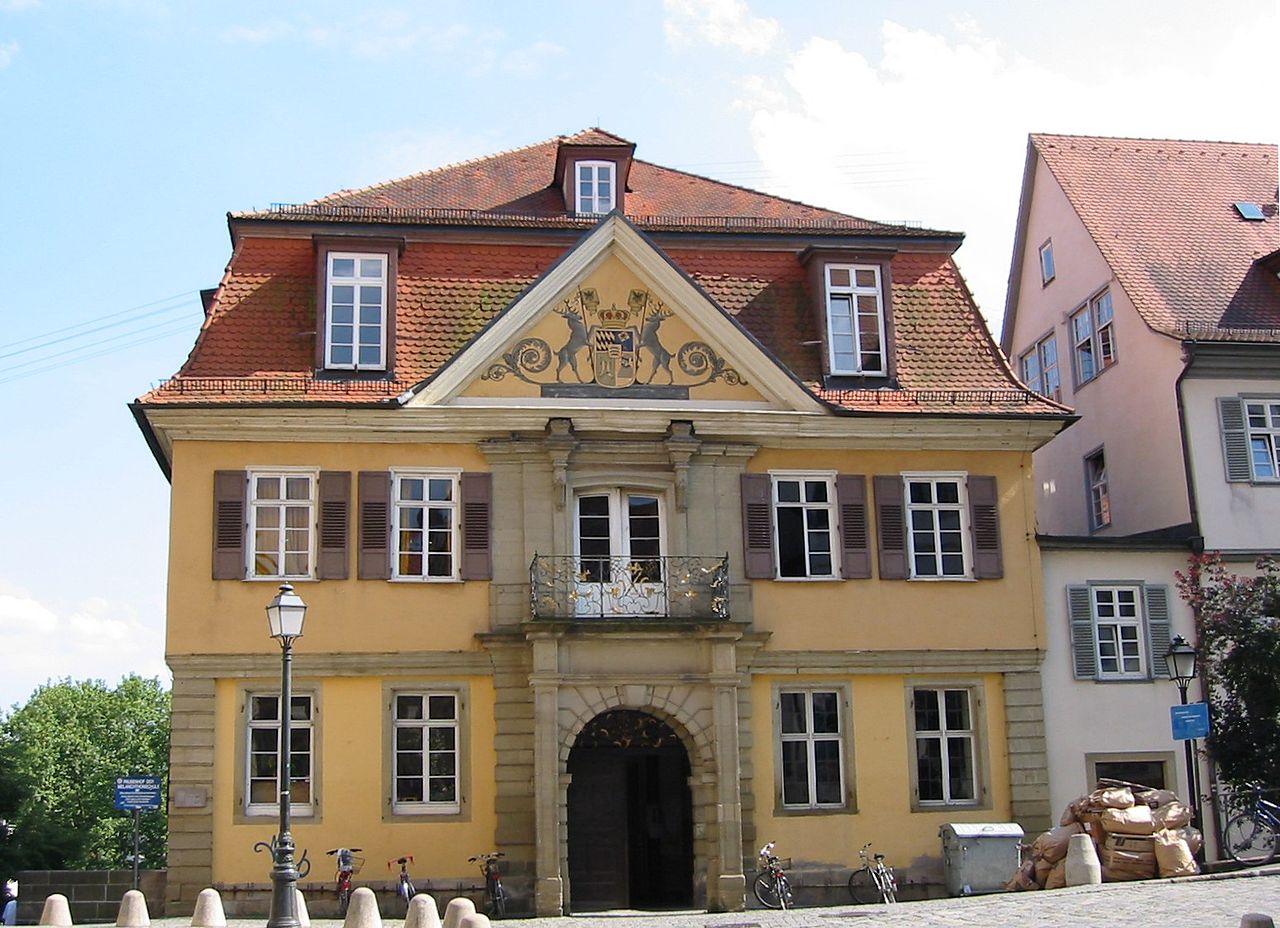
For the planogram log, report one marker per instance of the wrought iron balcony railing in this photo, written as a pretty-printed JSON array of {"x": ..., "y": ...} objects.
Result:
[{"x": 602, "y": 588}]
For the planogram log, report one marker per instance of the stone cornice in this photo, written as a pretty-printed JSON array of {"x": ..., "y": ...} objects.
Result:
[
  {"x": 330, "y": 664},
  {"x": 895, "y": 662}
]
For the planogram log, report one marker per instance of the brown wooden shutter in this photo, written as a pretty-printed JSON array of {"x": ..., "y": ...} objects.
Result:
[
  {"x": 375, "y": 525},
  {"x": 477, "y": 525},
  {"x": 855, "y": 556},
  {"x": 984, "y": 523},
  {"x": 335, "y": 523},
  {"x": 757, "y": 527},
  {"x": 229, "y": 524},
  {"x": 892, "y": 527}
]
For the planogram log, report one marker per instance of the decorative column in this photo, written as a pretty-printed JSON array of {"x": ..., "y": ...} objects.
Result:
[
  {"x": 548, "y": 880},
  {"x": 727, "y": 887}
]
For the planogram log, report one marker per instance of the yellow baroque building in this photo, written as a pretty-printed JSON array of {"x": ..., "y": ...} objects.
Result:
[{"x": 642, "y": 519}]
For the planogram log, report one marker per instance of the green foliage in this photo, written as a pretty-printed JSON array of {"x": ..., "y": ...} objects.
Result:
[
  {"x": 60, "y": 754},
  {"x": 1240, "y": 652}
]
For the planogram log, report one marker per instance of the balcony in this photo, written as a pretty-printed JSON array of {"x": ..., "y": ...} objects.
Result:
[{"x": 687, "y": 589}]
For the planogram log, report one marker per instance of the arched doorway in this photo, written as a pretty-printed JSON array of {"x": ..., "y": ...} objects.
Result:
[{"x": 630, "y": 815}]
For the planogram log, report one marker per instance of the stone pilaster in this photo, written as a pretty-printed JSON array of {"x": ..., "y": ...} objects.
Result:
[
  {"x": 190, "y": 792},
  {"x": 1028, "y": 757}
]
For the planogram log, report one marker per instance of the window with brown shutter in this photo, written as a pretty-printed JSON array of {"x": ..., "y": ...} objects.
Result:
[
  {"x": 229, "y": 489},
  {"x": 375, "y": 525},
  {"x": 757, "y": 526},
  {"x": 984, "y": 522},
  {"x": 335, "y": 521},
  {"x": 891, "y": 527},
  {"x": 851, "y": 493},
  {"x": 477, "y": 523}
]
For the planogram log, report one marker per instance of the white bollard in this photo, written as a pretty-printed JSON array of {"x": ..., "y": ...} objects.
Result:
[
  {"x": 300, "y": 903},
  {"x": 475, "y": 920},
  {"x": 1083, "y": 867},
  {"x": 363, "y": 910},
  {"x": 458, "y": 909},
  {"x": 209, "y": 912},
  {"x": 57, "y": 912},
  {"x": 1256, "y": 920},
  {"x": 422, "y": 912},
  {"x": 133, "y": 911}
]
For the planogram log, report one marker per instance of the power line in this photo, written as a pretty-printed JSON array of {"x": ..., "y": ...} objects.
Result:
[
  {"x": 183, "y": 295},
  {"x": 102, "y": 328},
  {"x": 96, "y": 354}
]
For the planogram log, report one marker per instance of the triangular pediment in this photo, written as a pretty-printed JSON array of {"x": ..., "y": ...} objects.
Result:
[{"x": 615, "y": 323}]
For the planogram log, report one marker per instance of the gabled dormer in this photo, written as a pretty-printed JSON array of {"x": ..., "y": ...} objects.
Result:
[
  {"x": 855, "y": 312},
  {"x": 591, "y": 172}
]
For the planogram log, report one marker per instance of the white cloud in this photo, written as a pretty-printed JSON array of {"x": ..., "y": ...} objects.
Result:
[
  {"x": 17, "y": 6},
  {"x": 8, "y": 51},
  {"x": 719, "y": 23}
]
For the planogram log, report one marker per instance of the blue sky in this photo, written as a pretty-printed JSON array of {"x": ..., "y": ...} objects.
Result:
[{"x": 133, "y": 126}]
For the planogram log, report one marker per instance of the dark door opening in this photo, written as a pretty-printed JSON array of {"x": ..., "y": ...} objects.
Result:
[{"x": 630, "y": 816}]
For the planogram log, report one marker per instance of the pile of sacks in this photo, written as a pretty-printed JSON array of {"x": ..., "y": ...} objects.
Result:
[{"x": 1138, "y": 832}]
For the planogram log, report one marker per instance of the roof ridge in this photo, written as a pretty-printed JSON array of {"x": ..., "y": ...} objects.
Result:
[{"x": 1139, "y": 138}]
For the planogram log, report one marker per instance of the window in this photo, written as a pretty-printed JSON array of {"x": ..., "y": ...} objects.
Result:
[
  {"x": 937, "y": 522},
  {"x": 425, "y": 525},
  {"x": 1117, "y": 621},
  {"x": 812, "y": 749},
  {"x": 804, "y": 519},
  {"x": 356, "y": 311},
  {"x": 946, "y": 770},
  {"x": 1040, "y": 369},
  {"x": 262, "y": 795},
  {"x": 1095, "y": 466},
  {"x": 1148, "y": 768},
  {"x": 1263, "y": 418},
  {"x": 1094, "y": 340},
  {"x": 618, "y": 536},
  {"x": 595, "y": 187},
  {"x": 1120, "y": 630},
  {"x": 281, "y": 517},
  {"x": 425, "y": 752},
  {"x": 855, "y": 319},
  {"x": 1046, "y": 262}
]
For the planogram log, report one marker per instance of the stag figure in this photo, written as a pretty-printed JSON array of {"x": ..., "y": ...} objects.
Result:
[
  {"x": 649, "y": 342},
  {"x": 578, "y": 339}
]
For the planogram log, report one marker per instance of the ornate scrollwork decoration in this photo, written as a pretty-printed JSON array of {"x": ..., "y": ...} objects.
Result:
[
  {"x": 527, "y": 356},
  {"x": 699, "y": 360}
]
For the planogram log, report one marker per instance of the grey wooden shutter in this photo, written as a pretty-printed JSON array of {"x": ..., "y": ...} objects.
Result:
[
  {"x": 1235, "y": 439},
  {"x": 375, "y": 526},
  {"x": 1084, "y": 650},
  {"x": 757, "y": 526},
  {"x": 335, "y": 523},
  {"x": 1156, "y": 601},
  {"x": 855, "y": 555},
  {"x": 477, "y": 525},
  {"x": 229, "y": 524},
  {"x": 891, "y": 526},
  {"x": 984, "y": 524}
]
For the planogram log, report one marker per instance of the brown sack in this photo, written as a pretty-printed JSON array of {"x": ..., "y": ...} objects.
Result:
[
  {"x": 1135, "y": 820},
  {"x": 1072, "y": 812},
  {"x": 1171, "y": 815},
  {"x": 1173, "y": 856},
  {"x": 1128, "y": 857},
  {"x": 1193, "y": 837},
  {"x": 1118, "y": 798},
  {"x": 1024, "y": 878},
  {"x": 1052, "y": 845},
  {"x": 1042, "y": 868},
  {"x": 1057, "y": 876},
  {"x": 1155, "y": 797}
]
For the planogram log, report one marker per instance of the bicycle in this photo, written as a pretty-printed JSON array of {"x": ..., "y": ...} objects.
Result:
[
  {"x": 404, "y": 889},
  {"x": 1250, "y": 836},
  {"x": 348, "y": 865},
  {"x": 873, "y": 882},
  {"x": 771, "y": 885},
  {"x": 495, "y": 896}
]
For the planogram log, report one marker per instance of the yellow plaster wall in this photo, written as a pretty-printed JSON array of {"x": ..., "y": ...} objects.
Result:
[{"x": 353, "y": 784}]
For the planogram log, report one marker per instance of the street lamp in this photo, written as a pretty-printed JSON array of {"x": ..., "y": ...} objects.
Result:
[
  {"x": 285, "y": 614},
  {"x": 1181, "y": 661}
]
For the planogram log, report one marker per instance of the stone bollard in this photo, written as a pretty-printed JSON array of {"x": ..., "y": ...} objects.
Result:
[
  {"x": 300, "y": 903},
  {"x": 458, "y": 909},
  {"x": 1256, "y": 920},
  {"x": 133, "y": 911},
  {"x": 1083, "y": 867},
  {"x": 57, "y": 913},
  {"x": 362, "y": 912},
  {"x": 208, "y": 913},
  {"x": 475, "y": 920},
  {"x": 422, "y": 912}
]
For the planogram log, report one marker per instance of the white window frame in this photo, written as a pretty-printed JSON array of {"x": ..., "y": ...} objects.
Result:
[
  {"x": 1267, "y": 432},
  {"x": 426, "y": 806},
  {"x": 1039, "y": 381},
  {"x": 849, "y": 295},
  {"x": 1048, "y": 269},
  {"x": 1135, "y": 623},
  {"x": 830, "y": 506},
  {"x": 357, "y": 282},
  {"x": 961, "y": 479},
  {"x": 1099, "y": 341},
  {"x": 590, "y": 173},
  {"x": 973, "y": 734},
  {"x": 1096, "y": 484},
  {"x": 399, "y": 506},
  {"x": 255, "y": 505},
  {"x": 295, "y": 725},
  {"x": 840, "y": 737}
]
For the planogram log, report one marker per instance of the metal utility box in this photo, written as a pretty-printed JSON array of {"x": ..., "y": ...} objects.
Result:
[{"x": 979, "y": 858}]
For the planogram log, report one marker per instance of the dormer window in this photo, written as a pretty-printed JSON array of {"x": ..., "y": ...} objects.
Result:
[
  {"x": 595, "y": 187},
  {"x": 356, "y": 295},
  {"x": 855, "y": 319}
]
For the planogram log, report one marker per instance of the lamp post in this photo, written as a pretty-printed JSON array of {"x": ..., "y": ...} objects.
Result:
[
  {"x": 1181, "y": 660},
  {"x": 285, "y": 614}
]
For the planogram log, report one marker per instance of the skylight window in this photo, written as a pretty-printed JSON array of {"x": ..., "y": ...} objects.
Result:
[{"x": 1251, "y": 211}]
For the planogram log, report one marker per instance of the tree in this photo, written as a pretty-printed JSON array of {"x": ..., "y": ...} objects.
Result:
[
  {"x": 1239, "y": 636},
  {"x": 59, "y": 756}
]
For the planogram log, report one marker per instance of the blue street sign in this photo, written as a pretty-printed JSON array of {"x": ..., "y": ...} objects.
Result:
[
  {"x": 1190, "y": 721},
  {"x": 140, "y": 794}
]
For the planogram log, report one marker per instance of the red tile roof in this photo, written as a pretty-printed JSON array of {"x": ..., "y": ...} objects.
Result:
[{"x": 1162, "y": 213}]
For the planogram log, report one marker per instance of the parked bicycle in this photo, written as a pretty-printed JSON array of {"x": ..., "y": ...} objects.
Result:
[
  {"x": 495, "y": 896},
  {"x": 873, "y": 881},
  {"x": 348, "y": 865},
  {"x": 1251, "y": 835},
  {"x": 771, "y": 885},
  {"x": 404, "y": 889}
]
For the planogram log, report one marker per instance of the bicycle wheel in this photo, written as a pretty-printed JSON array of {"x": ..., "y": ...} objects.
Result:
[
  {"x": 344, "y": 900},
  {"x": 1250, "y": 840},
  {"x": 499, "y": 896},
  {"x": 766, "y": 892},
  {"x": 785, "y": 898},
  {"x": 862, "y": 888}
]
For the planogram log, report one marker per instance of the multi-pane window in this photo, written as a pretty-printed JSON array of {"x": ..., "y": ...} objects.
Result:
[
  {"x": 804, "y": 519},
  {"x": 855, "y": 319},
  {"x": 356, "y": 311},
  {"x": 595, "y": 187},
  {"x": 937, "y": 526},
  {"x": 946, "y": 763},
  {"x": 1094, "y": 338},
  {"x": 425, "y": 526},
  {"x": 262, "y": 792},
  {"x": 1263, "y": 417},
  {"x": 426, "y": 752},
  {"x": 282, "y": 516},
  {"x": 1117, "y": 620},
  {"x": 1095, "y": 467},
  {"x": 812, "y": 750},
  {"x": 1040, "y": 369},
  {"x": 1047, "y": 271}
]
